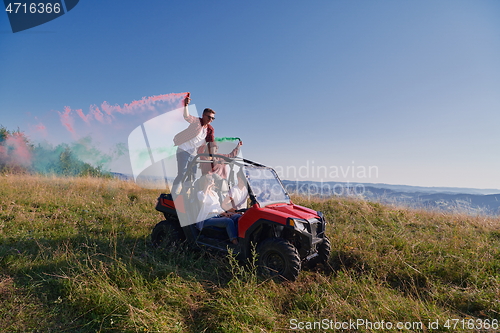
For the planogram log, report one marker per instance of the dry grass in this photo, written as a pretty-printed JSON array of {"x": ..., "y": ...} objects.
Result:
[{"x": 75, "y": 257}]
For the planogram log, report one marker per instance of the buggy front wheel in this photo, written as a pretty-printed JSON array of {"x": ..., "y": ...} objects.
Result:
[
  {"x": 277, "y": 258},
  {"x": 324, "y": 250}
]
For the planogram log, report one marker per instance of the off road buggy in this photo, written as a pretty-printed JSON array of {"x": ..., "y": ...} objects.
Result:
[{"x": 285, "y": 236}]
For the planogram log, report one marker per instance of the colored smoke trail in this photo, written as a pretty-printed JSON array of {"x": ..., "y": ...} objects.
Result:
[
  {"x": 225, "y": 139},
  {"x": 106, "y": 113},
  {"x": 86, "y": 150},
  {"x": 14, "y": 151},
  {"x": 40, "y": 127},
  {"x": 38, "y": 131},
  {"x": 109, "y": 125},
  {"x": 19, "y": 154},
  {"x": 66, "y": 119},
  {"x": 96, "y": 137},
  {"x": 143, "y": 156}
]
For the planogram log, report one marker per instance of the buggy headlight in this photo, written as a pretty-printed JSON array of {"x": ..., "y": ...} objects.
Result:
[{"x": 299, "y": 224}]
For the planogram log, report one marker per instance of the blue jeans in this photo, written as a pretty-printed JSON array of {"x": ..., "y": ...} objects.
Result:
[
  {"x": 183, "y": 159},
  {"x": 229, "y": 223}
]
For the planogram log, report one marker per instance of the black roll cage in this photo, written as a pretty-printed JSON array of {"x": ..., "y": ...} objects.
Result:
[{"x": 231, "y": 161}]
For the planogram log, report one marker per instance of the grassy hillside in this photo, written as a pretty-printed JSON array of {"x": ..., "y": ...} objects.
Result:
[{"x": 75, "y": 257}]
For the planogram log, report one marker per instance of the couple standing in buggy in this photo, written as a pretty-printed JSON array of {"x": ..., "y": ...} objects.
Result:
[{"x": 216, "y": 193}]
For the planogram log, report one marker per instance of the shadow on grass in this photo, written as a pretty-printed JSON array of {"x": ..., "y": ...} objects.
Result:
[
  {"x": 348, "y": 260},
  {"x": 84, "y": 284}
]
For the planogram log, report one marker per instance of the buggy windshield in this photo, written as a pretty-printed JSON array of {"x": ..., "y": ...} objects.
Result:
[{"x": 266, "y": 186}]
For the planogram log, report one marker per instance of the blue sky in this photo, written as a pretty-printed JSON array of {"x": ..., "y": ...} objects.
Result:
[{"x": 409, "y": 87}]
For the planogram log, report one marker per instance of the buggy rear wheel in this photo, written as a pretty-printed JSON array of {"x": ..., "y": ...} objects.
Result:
[
  {"x": 167, "y": 233},
  {"x": 279, "y": 259}
]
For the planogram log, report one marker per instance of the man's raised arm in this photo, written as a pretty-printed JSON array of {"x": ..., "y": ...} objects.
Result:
[{"x": 186, "y": 103}]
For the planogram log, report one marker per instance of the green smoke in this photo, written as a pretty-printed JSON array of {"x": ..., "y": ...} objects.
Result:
[
  {"x": 226, "y": 139},
  {"x": 168, "y": 151},
  {"x": 143, "y": 156},
  {"x": 79, "y": 157}
]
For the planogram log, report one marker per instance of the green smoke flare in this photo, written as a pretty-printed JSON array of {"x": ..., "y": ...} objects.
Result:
[{"x": 226, "y": 139}]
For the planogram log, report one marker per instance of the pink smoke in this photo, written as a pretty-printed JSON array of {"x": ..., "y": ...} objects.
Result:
[
  {"x": 14, "y": 151},
  {"x": 85, "y": 118},
  {"x": 66, "y": 119},
  {"x": 39, "y": 129},
  {"x": 105, "y": 114}
]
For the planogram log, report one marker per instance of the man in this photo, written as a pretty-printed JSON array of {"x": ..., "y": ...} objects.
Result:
[{"x": 189, "y": 140}]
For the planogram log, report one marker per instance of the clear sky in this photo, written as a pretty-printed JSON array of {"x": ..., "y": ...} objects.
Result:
[{"x": 407, "y": 89}]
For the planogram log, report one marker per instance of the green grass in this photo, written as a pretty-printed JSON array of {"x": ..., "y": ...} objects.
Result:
[{"x": 75, "y": 257}]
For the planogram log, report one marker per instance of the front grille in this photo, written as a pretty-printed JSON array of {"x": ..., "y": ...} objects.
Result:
[{"x": 315, "y": 226}]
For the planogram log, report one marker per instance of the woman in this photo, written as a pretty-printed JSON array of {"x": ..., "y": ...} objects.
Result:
[
  {"x": 212, "y": 214},
  {"x": 237, "y": 196},
  {"x": 218, "y": 166}
]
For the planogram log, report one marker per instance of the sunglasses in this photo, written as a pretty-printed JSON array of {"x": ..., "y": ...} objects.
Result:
[{"x": 210, "y": 117}]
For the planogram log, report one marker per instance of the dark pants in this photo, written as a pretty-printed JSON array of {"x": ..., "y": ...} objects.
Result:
[
  {"x": 183, "y": 159},
  {"x": 229, "y": 223}
]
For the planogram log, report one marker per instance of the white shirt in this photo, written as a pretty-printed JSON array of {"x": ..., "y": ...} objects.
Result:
[
  {"x": 239, "y": 196},
  {"x": 192, "y": 145},
  {"x": 210, "y": 206}
]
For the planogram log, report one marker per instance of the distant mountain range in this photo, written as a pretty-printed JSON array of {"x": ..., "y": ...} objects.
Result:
[
  {"x": 450, "y": 199},
  {"x": 467, "y": 200}
]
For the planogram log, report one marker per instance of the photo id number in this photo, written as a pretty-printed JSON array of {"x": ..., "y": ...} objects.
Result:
[{"x": 33, "y": 8}]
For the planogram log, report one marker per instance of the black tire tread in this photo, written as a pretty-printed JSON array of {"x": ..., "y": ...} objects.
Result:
[
  {"x": 324, "y": 250},
  {"x": 167, "y": 233},
  {"x": 286, "y": 251}
]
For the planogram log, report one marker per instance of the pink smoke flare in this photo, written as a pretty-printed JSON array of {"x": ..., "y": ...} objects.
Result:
[{"x": 104, "y": 114}]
